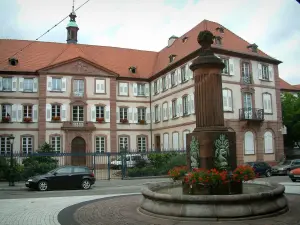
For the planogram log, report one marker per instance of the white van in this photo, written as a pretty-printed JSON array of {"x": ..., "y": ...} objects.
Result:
[{"x": 130, "y": 161}]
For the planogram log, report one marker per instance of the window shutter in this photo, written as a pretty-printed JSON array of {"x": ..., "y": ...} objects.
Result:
[
  {"x": 225, "y": 100},
  {"x": 259, "y": 67},
  {"x": 126, "y": 89},
  {"x": 148, "y": 115},
  {"x": 176, "y": 77},
  {"x": 271, "y": 73},
  {"x": 14, "y": 112},
  {"x": 118, "y": 114},
  {"x": 49, "y": 83},
  {"x": 153, "y": 115},
  {"x": 180, "y": 107},
  {"x": 177, "y": 108},
  {"x": 134, "y": 89},
  {"x": 164, "y": 111},
  {"x": 21, "y": 81},
  {"x": 63, "y": 84},
  {"x": 268, "y": 139},
  {"x": 229, "y": 99},
  {"x": 179, "y": 75},
  {"x": 130, "y": 115},
  {"x": 98, "y": 84},
  {"x": 231, "y": 67},
  {"x": 265, "y": 103},
  {"x": 63, "y": 112},
  {"x": 14, "y": 84},
  {"x": 249, "y": 143},
  {"x": 193, "y": 103},
  {"x": 190, "y": 72},
  {"x": 152, "y": 89},
  {"x": 93, "y": 113},
  {"x": 20, "y": 113},
  {"x": 170, "y": 110},
  {"x": 167, "y": 82},
  {"x": 35, "y": 85},
  {"x": 175, "y": 141},
  {"x": 135, "y": 115},
  {"x": 159, "y": 113},
  {"x": 270, "y": 103},
  {"x": 48, "y": 112},
  {"x": 146, "y": 89},
  {"x": 159, "y": 81},
  {"x": 166, "y": 142},
  {"x": 34, "y": 113},
  {"x": 1, "y": 86},
  {"x": 107, "y": 113},
  {"x": 189, "y": 104}
]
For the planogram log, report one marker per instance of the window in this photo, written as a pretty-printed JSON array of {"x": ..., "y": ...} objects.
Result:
[
  {"x": 246, "y": 77},
  {"x": 28, "y": 85},
  {"x": 141, "y": 89},
  {"x": 173, "y": 79},
  {"x": 123, "y": 144},
  {"x": 165, "y": 111},
  {"x": 56, "y": 84},
  {"x": 184, "y": 139},
  {"x": 183, "y": 74},
  {"x": 142, "y": 144},
  {"x": 100, "y": 144},
  {"x": 185, "y": 105},
  {"x": 5, "y": 146},
  {"x": 218, "y": 40},
  {"x": 164, "y": 83},
  {"x": 65, "y": 170},
  {"x": 265, "y": 72},
  {"x": 78, "y": 113},
  {"x": 123, "y": 89},
  {"x": 141, "y": 114},
  {"x": 171, "y": 58},
  {"x": 100, "y": 86},
  {"x": 81, "y": 170},
  {"x": 156, "y": 113},
  {"x": 155, "y": 87},
  {"x": 267, "y": 103},
  {"x": 99, "y": 111},
  {"x": 6, "y": 111},
  {"x": 166, "y": 142},
  {"x": 174, "y": 108},
  {"x": 78, "y": 88},
  {"x": 175, "y": 139},
  {"x": 27, "y": 145},
  {"x": 56, "y": 143},
  {"x": 226, "y": 69},
  {"x": 249, "y": 143},
  {"x": 55, "y": 111},
  {"x": 6, "y": 84},
  {"x": 268, "y": 141},
  {"x": 123, "y": 113},
  {"x": 227, "y": 100},
  {"x": 27, "y": 111}
]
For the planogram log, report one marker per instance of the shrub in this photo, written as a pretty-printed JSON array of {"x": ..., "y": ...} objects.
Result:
[
  {"x": 159, "y": 159},
  {"x": 6, "y": 172},
  {"x": 178, "y": 172},
  {"x": 143, "y": 172},
  {"x": 140, "y": 163}
]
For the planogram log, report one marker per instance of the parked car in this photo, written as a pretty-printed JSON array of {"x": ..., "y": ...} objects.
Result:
[
  {"x": 261, "y": 168},
  {"x": 295, "y": 174},
  {"x": 65, "y": 177},
  {"x": 283, "y": 168},
  {"x": 131, "y": 160}
]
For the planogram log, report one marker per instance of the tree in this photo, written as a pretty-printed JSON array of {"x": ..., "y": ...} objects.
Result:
[{"x": 291, "y": 118}]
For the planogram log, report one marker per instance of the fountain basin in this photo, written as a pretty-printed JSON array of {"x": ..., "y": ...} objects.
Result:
[{"x": 263, "y": 199}]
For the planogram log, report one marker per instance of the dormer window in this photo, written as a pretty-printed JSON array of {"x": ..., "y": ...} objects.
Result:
[
  {"x": 132, "y": 69},
  {"x": 13, "y": 61},
  {"x": 220, "y": 29},
  {"x": 218, "y": 40},
  {"x": 172, "y": 58},
  {"x": 184, "y": 39},
  {"x": 253, "y": 47}
]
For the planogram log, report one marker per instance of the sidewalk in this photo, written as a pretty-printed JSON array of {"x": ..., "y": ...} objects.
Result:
[{"x": 19, "y": 186}]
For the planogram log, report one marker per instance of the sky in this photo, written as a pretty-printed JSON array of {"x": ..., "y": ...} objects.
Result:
[{"x": 147, "y": 24}]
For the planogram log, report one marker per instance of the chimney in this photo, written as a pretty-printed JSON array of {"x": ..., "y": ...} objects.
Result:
[{"x": 171, "y": 40}]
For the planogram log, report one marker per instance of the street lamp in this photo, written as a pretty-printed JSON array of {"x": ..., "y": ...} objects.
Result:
[{"x": 11, "y": 178}]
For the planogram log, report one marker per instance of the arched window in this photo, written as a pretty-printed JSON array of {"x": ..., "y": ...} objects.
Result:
[
  {"x": 249, "y": 143},
  {"x": 268, "y": 142},
  {"x": 227, "y": 99},
  {"x": 166, "y": 142},
  {"x": 175, "y": 139}
]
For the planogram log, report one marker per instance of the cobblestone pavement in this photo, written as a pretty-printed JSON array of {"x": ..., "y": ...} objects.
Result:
[
  {"x": 37, "y": 211},
  {"x": 123, "y": 210}
]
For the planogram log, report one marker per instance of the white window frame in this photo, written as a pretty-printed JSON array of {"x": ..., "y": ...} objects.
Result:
[
  {"x": 226, "y": 68},
  {"x": 174, "y": 108},
  {"x": 5, "y": 81},
  {"x": 124, "y": 143},
  {"x": 155, "y": 87},
  {"x": 28, "y": 89},
  {"x": 265, "y": 72},
  {"x": 123, "y": 89},
  {"x": 100, "y": 110},
  {"x": 267, "y": 103},
  {"x": 27, "y": 111},
  {"x": 141, "y": 89},
  {"x": 156, "y": 113},
  {"x": 6, "y": 110},
  {"x": 164, "y": 83},
  {"x": 142, "y": 144},
  {"x": 173, "y": 79},
  {"x": 56, "y": 84},
  {"x": 5, "y": 146},
  {"x": 268, "y": 140},
  {"x": 252, "y": 151},
  {"x": 100, "y": 144},
  {"x": 185, "y": 104},
  {"x": 77, "y": 109},
  {"x": 141, "y": 114},
  {"x": 27, "y": 148},
  {"x": 123, "y": 113},
  {"x": 56, "y": 143},
  {"x": 184, "y": 76},
  {"x": 55, "y": 111},
  {"x": 78, "y": 87}
]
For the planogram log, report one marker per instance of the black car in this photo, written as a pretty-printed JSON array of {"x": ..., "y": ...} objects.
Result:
[
  {"x": 261, "y": 168},
  {"x": 66, "y": 177}
]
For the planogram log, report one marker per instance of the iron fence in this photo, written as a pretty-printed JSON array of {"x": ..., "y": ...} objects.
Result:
[{"x": 112, "y": 165}]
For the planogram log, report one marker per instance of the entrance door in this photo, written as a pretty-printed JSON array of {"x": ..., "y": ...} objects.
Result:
[
  {"x": 248, "y": 105},
  {"x": 78, "y": 147},
  {"x": 157, "y": 143}
]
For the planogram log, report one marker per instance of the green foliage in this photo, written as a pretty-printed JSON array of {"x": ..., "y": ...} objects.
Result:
[
  {"x": 291, "y": 118},
  {"x": 6, "y": 171},
  {"x": 159, "y": 159}
]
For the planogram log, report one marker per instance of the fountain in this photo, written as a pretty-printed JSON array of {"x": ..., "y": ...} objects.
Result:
[{"x": 212, "y": 146}]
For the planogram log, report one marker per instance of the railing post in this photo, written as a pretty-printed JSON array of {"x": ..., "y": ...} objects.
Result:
[{"x": 108, "y": 165}]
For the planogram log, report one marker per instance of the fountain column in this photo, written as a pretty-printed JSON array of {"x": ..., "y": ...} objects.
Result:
[{"x": 209, "y": 104}]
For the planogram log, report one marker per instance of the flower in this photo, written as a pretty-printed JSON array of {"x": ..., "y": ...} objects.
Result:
[
  {"x": 100, "y": 120},
  {"x": 243, "y": 173},
  {"x": 56, "y": 118},
  {"x": 27, "y": 119},
  {"x": 123, "y": 120},
  {"x": 177, "y": 172}
]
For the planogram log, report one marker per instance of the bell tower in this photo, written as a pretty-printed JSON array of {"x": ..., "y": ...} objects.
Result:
[{"x": 72, "y": 28}]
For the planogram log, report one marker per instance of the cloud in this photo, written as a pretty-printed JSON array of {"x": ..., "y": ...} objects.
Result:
[{"x": 147, "y": 25}]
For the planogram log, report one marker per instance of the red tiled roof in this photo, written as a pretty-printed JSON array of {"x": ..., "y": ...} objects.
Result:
[
  {"x": 286, "y": 86},
  {"x": 43, "y": 54},
  {"x": 297, "y": 86}
]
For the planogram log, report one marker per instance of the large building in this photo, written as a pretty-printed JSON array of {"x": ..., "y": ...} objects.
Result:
[{"x": 86, "y": 98}]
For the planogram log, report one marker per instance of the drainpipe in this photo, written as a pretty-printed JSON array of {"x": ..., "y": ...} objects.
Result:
[{"x": 150, "y": 94}]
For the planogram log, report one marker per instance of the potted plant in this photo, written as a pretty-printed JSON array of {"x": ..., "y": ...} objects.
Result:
[
  {"x": 178, "y": 172},
  {"x": 6, "y": 119},
  {"x": 142, "y": 122},
  {"x": 27, "y": 119},
  {"x": 55, "y": 118},
  {"x": 100, "y": 120},
  {"x": 124, "y": 121},
  {"x": 197, "y": 182}
]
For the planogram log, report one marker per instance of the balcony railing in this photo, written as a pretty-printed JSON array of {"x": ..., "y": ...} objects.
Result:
[
  {"x": 75, "y": 125},
  {"x": 251, "y": 114},
  {"x": 246, "y": 78}
]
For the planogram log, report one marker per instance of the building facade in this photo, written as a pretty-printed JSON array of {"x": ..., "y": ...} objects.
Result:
[{"x": 83, "y": 98}]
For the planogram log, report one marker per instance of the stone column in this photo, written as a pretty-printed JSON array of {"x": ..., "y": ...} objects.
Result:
[{"x": 209, "y": 105}]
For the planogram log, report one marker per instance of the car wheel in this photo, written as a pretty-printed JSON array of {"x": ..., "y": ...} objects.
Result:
[
  {"x": 43, "y": 185},
  {"x": 86, "y": 184},
  {"x": 293, "y": 180},
  {"x": 268, "y": 173}
]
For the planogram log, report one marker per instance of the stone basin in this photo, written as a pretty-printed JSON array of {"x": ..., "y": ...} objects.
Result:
[{"x": 258, "y": 200}]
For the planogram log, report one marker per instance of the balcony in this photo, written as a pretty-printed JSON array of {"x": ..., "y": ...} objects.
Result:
[
  {"x": 247, "y": 78},
  {"x": 251, "y": 114},
  {"x": 78, "y": 126}
]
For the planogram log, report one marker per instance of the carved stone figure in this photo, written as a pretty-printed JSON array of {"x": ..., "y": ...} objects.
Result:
[
  {"x": 194, "y": 152},
  {"x": 221, "y": 152}
]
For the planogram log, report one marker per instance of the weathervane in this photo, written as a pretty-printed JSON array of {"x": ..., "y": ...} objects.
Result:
[{"x": 73, "y": 11}]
